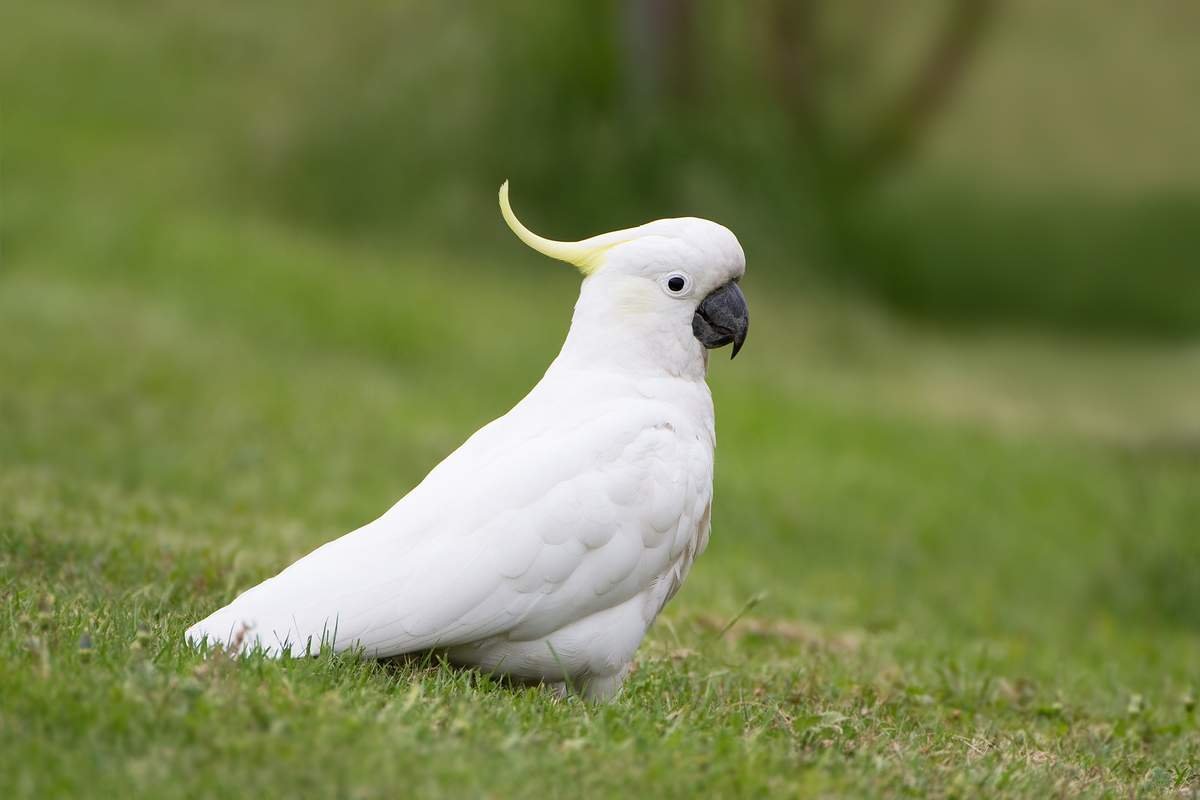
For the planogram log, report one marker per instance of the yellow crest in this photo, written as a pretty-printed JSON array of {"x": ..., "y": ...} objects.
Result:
[{"x": 587, "y": 254}]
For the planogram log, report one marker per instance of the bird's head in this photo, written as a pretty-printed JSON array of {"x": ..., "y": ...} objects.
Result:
[{"x": 673, "y": 283}]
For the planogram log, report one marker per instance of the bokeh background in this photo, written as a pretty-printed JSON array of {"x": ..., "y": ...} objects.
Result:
[{"x": 254, "y": 284}]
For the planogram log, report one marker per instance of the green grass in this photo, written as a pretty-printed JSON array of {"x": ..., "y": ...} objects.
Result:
[
  {"x": 952, "y": 562},
  {"x": 972, "y": 561}
]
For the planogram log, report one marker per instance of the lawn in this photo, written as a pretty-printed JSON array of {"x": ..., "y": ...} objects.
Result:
[
  {"x": 941, "y": 564},
  {"x": 946, "y": 560}
]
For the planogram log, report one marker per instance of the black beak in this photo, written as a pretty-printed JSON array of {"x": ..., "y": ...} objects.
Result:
[{"x": 721, "y": 318}]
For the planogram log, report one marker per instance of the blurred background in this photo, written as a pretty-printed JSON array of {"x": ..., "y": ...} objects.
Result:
[
  {"x": 962, "y": 160},
  {"x": 254, "y": 284}
]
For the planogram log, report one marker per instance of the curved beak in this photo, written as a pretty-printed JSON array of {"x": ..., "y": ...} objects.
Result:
[{"x": 721, "y": 318}]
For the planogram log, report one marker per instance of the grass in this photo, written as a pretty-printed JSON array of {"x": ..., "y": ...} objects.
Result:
[
  {"x": 946, "y": 562},
  {"x": 970, "y": 561}
]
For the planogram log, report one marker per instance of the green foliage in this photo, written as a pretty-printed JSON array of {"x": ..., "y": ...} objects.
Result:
[
  {"x": 1109, "y": 265},
  {"x": 397, "y": 121}
]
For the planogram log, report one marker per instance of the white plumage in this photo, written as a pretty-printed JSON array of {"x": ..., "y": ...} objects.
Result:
[{"x": 544, "y": 547}]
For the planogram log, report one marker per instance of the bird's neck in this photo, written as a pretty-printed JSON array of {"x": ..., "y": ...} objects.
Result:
[{"x": 609, "y": 330}]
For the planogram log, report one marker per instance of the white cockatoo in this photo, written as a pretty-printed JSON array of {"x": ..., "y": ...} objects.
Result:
[{"x": 544, "y": 547}]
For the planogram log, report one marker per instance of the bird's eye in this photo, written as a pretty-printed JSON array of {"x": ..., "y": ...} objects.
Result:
[{"x": 677, "y": 283}]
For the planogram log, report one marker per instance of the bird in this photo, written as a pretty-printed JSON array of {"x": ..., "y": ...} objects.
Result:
[{"x": 544, "y": 547}]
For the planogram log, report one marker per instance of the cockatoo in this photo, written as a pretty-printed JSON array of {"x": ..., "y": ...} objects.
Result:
[{"x": 544, "y": 547}]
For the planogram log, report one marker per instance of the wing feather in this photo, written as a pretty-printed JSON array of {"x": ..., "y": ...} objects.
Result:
[{"x": 566, "y": 519}]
